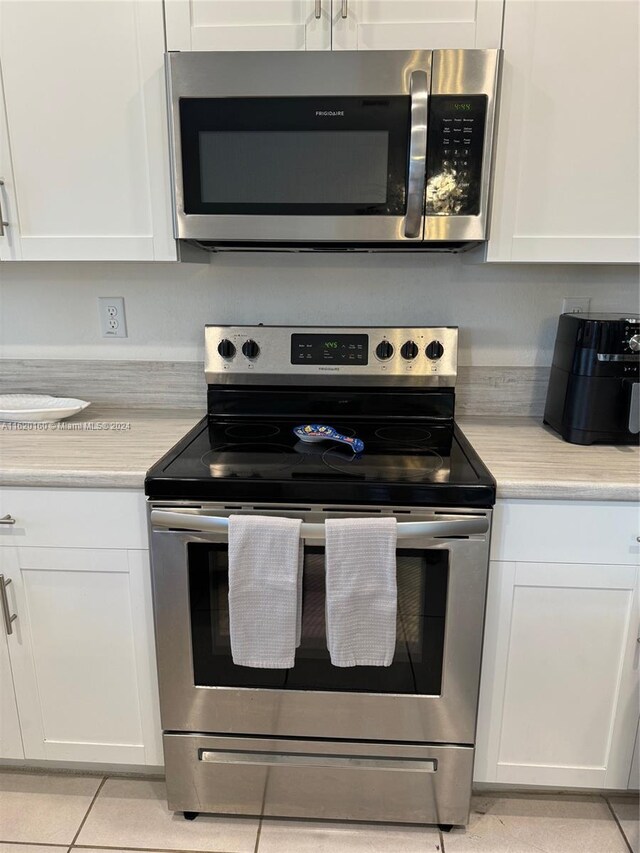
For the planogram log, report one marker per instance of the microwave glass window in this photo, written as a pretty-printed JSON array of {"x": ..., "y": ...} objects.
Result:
[
  {"x": 422, "y": 577},
  {"x": 294, "y": 167},
  {"x": 305, "y": 156}
]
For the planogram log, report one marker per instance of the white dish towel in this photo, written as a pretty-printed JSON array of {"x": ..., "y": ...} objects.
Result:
[
  {"x": 265, "y": 590},
  {"x": 362, "y": 594}
]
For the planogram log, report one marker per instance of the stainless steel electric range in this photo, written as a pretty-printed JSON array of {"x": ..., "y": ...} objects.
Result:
[{"x": 365, "y": 743}]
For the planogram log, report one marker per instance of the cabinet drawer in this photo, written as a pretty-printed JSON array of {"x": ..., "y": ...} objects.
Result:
[
  {"x": 78, "y": 518},
  {"x": 566, "y": 532}
]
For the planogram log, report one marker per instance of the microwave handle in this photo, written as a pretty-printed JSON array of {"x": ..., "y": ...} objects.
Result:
[
  {"x": 468, "y": 526},
  {"x": 417, "y": 153}
]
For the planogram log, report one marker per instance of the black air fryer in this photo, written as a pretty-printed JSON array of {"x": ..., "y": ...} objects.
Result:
[{"x": 594, "y": 390}]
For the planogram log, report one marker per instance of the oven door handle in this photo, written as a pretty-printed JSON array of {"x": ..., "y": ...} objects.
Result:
[
  {"x": 417, "y": 154},
  {"x": 467, "y": 526}
]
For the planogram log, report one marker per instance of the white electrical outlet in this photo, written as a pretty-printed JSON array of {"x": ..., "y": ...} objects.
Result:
[
  {"x": 113, "y": 323},
  {"x": 576, "y": 305}
]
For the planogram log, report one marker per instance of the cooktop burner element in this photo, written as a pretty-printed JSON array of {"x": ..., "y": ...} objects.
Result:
[
  {"x": 252, "y": 431},
  {"x": 403, "y": 434},
  {"x": 401, "y": 409},
  {"x": 248, "y": 460}
]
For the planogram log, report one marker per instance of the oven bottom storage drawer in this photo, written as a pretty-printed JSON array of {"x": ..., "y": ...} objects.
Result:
[{"x": 318, "y": 779}]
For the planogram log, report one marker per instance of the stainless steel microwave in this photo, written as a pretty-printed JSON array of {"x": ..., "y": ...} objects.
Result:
[{"x": 333, "y": 150}]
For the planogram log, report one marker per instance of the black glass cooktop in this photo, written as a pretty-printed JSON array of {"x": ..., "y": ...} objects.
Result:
[{"x": 257, "y": 460}]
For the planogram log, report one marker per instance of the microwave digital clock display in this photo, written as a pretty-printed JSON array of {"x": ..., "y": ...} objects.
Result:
[{"x": 338, "y": 349}]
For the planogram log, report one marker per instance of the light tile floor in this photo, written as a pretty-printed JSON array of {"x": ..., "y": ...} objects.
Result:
[{"x": 57, "y": 813}]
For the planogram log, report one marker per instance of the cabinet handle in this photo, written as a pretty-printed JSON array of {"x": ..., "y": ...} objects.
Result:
[
  {"x": 345, "y": 9},
  {"x": 318, "y": 11},
  {"x": 3, "y": 224},
  {"x": 6, "y": 612},
  {"x": 7, "y": 519}
]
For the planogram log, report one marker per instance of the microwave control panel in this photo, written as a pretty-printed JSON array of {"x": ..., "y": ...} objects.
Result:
[{"x": 454, "y": 154}]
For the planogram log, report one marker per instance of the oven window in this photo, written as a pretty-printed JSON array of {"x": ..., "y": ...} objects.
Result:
[
  {"x": 417, "y": 665},
  {"x": 295, "y": 156}
]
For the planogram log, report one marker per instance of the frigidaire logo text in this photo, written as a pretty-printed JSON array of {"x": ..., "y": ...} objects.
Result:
[{"x": 329, "y": 112}]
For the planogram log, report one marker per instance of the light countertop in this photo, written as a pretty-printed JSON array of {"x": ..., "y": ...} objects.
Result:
[
  {"x": 99, "y": 448},
  {"x": 114, "y": 447},
  {"x": 529, "y": 460}
]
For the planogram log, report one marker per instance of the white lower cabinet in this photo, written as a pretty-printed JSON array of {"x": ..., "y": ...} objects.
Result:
[
  {"x": 559, "y": 690},
  {"x": 81, "y": 651},
  {"x": 10, "y": 735},
  {"x": 634, "y": 775}
]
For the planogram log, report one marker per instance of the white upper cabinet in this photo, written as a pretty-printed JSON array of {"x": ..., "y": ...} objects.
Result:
[
  {"x": 9, "y": 235},
  {"x": 567, "y": 159},
  {"x": 86, "y": 116},
  {"x": 248, "y": 24},
  {"x": 416, "y": 24},
  {"x": 327, "y": 24}
]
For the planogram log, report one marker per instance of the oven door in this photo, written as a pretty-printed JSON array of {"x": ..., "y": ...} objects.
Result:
[
  {"x": 430, "y": 691},
  {"x": 290, "y": 148}
]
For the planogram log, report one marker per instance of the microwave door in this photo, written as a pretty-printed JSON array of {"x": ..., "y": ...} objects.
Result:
[{"x": 283, "y": 162}]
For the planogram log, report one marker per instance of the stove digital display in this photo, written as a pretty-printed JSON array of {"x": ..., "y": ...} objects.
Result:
[{"x": 330, "y": 349}]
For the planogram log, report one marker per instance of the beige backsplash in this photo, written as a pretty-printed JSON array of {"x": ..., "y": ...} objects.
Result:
[{"x": 495, "y": 391}]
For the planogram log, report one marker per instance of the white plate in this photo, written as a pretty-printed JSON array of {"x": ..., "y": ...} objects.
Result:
[{"x": 38, "y": 408}]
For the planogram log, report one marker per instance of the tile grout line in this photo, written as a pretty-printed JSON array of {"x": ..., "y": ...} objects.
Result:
[
  {"x": 441, "y": 837},
  {"x": 34, "y": 843},
  {"x": 84, "y": 819},
  {"x": 143, "y": 849},
  {"x": 261, "y": 821},
  {"x": 255, "y": 849},
  {"x": 615, "y": 817}
]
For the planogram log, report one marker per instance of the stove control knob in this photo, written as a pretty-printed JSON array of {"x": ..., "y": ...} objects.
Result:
[
  {"x": 226, "y": 348},
  {"x": 634, "y": 343},
  {"x": 250, "y": 349},
  {"x": 409, "y": 350},
  {"x": 384, "y": 350},
  {"x": 434, "y": 350}
]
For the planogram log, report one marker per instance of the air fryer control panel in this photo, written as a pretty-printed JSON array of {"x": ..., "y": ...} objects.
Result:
[
  {"x": 454, "y": 154},
  {"x": 605, "y": 344}
]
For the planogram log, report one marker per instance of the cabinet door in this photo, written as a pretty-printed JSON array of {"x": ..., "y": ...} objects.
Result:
[
  {"x": 10, "y": 736},
  {"x": 9, "y": 235},
  {"x": 416, "y": 24},
  {"x": 248, "y": 24},
  {"x": 82, "y": 655},
  {"x": 634, "y": 775},
  {"x": 559, "y": 684},
  {"x": 86, "y": 117},
  {"x": 567, "y": 166}
]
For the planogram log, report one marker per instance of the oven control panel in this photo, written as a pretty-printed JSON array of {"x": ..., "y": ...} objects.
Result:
[
  {"x": 282, "y": 355},
  {"x": 329, "y": 349}
]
